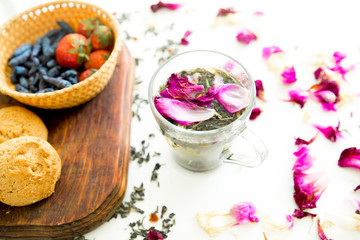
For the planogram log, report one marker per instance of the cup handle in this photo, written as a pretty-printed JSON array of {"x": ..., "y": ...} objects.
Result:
[{"x": 257, "y": 145}]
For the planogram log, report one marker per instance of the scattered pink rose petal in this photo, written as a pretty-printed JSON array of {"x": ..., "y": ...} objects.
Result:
[
  {"x": 259, "y": 89},
  {"x": 290, "y": 219},
  {"x": 255, "y": 113},
  {"x": 350, "y": 157},
  {"x": 181, "y": 112},
  {"x": 180, "y": 88},
  {"x": 154, "y": 235},
  {"x": 321, "y": 75},
  {"x": 307, "y": 188},
  {"x": 246, "y": 36},
  {"x": 321, "y": 231},
  {"x": 331, "y": 133},
  {"x": 225, "y": 11},
  {"x": 268, "y": 51},
  {"x": 338, "y": 57},
  {"x": 327, "y": 93},
  {"x": 300, "y": 141},
  {"x": 184, "y": 40},
  {"x": 259, "y": 13},
  {"x": 233, "y": 97},
  {"x": 357, "y": 188},
  {"x": 298, "y": 96},
  {"x": 159, "y": 5},
  {"x": 244, "y": 212},
  {"x": 289, "y": 75}
]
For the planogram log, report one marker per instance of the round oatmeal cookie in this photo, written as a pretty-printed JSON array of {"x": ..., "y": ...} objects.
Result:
[
  {"x": 29, "y": 170},
  {"x": 17, "y": 121}
]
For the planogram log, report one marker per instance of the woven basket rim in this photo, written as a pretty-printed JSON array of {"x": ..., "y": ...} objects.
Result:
[{"x": 115, "y": 51}]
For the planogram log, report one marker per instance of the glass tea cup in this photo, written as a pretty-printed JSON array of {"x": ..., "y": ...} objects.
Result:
[{"x": 206, "y": 150}]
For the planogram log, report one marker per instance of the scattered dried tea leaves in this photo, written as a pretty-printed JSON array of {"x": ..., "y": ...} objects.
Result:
[
  {"x": 138, "y": 194},
  {"x": 154, "y": 174}
]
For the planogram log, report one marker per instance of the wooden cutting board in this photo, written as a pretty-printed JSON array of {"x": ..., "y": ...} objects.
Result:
[{"x": 93, "y": 141}]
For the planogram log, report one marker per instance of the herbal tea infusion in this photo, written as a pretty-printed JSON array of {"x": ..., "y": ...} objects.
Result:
[{"x": 202, "y": 99}]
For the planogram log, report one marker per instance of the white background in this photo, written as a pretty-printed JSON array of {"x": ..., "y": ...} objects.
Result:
[{"x": 301, "y": 29}]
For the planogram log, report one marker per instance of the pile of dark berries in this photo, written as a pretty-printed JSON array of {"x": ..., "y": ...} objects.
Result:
[{"x": 34, "y": 68}]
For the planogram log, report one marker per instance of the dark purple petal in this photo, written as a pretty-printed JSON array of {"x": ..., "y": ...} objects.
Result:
[
  {"x": 321, "y": 75},
  {"x": 268, "y": 51},
  {"x": 321, "y": 233},
  {"x": 244, "y": 212},
  {"x": 289, "y": 75},
  {"x": 300, "y": 141},
  {"x": 180, "y": 88},
  {"x": 298, "y": 96},
  {"x": 301, "y": 214},
  {"x": 350, "y": 157},
  {"x": 184, "y": 40},
  {"x": 331, "y": 133},
  {"x": 181, "y": 112},
  {"x": 159, "y": 5},
  {"x": 357, "y": 188},
  {"x": 225, "y": 11},
  {"x": 233, "y": 97},
  {"x": 255, "y": 113},
  {"x": 246, "y": 36},
  {"x": 154, "y": 235},
  {"x": 259, "y": 89}
]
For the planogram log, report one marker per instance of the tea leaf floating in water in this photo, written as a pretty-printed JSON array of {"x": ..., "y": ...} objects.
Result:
[{"x": 202, "y": 99}]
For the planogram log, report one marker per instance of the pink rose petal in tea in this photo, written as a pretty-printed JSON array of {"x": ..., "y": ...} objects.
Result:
[
  {"x": 255, "y": 113},
  {"x": 184, "y": 40},
  {"x": 246, "y": 36},
  {"x": 181, "y": 112},
  {"x": 206, "y": 100},
  {"x": 330, "y": 132},
  {"x": 225, "y": 11},
  {"x": 268, "y": 51},
  {"x": 244, "y": 212},
  {"x": 159, "y": 5},
  {"x": 350, "y": 157},
  {"x": 289, "y": 75},
  {"x": 180, "y": 88},
  {"x": 154, "y": 235},
  {"x": 233, "y": 97}
]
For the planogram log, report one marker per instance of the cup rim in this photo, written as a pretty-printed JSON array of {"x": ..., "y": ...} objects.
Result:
[{"x": 168, "y": 124}]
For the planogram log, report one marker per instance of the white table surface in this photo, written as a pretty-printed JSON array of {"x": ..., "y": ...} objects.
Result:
[{"x": 301, "y": 29}]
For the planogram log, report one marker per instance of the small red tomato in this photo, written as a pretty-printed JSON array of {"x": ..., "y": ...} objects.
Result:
[
  {"x": 72, "y": 51},
  {"x": 97, "y": 59},
  {"x": 102, "y": 38},
  {"x": 87, "y": 73}
]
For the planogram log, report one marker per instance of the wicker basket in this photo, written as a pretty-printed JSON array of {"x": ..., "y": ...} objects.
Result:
[{"x": 34, "y": 23}]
